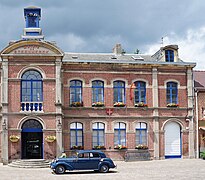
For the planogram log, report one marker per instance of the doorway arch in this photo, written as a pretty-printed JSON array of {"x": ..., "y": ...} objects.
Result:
[
  {"x": 32, "y": 139},
  {"x": 172, "y": 137}
]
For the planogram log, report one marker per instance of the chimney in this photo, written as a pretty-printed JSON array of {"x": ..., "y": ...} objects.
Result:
[{"x": 117, "y": 50}]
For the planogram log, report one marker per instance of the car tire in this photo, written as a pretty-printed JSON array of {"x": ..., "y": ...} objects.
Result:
[
  {"x": 60, "y": 169},
  {"x": 104, "y": 168}
]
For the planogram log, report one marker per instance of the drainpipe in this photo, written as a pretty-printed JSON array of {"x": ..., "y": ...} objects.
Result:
[{"x": 197, "y": 126}]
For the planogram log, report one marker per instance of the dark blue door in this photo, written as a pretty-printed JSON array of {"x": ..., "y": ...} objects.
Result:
[{"x": 32, "y": 140}]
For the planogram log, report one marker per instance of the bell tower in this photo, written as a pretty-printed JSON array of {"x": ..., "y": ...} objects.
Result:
[{"x": 32, "y": 17}]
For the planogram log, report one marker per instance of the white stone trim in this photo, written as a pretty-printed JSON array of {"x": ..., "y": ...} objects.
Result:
[
  {"x": 75, "y": 78},
  {"x": 37, "y": 68},
  {"x": 24, "y": 119},
  {"x": 173, "y": 120}
]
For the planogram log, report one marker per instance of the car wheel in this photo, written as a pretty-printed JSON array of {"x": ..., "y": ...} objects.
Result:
[
  {"x": 104, "y": 168},
  {"x": 60, "y": 169}
]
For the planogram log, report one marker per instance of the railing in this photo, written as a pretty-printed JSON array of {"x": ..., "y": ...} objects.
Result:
[{"x": 31, "y": 106}]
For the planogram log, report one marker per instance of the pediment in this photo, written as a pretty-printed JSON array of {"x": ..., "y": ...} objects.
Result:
[{"x": 31, "y": 48}]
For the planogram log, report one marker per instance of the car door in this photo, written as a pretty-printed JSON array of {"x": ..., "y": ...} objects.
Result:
[
  {"x": 82, "y": 162},
  {"x": 87, "y": 161},
  {"x": 94, "y": 160}
]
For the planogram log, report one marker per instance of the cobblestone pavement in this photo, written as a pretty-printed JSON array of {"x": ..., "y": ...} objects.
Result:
[{"x": 175, "y": 169}]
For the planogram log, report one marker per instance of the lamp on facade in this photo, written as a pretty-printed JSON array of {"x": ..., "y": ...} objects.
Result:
[{"x": 4, "y": 125}]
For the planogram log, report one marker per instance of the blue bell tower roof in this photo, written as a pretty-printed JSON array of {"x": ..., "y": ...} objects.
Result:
[{"x": 32, "y": 15}]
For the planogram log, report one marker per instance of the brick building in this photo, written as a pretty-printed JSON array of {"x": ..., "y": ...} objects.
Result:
[
  {"x": 199, "y": 87},
  {"x": 54, "y": 101}
]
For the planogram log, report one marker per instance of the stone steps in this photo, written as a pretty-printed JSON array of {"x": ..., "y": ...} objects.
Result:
[{"x": 30, "y": 163}]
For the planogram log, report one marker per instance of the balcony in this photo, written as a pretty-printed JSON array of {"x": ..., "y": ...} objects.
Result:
[{"x": 31, "y": 106}]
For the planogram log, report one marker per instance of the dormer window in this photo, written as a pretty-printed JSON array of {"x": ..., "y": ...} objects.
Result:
[{"x": 169, "y": 55}]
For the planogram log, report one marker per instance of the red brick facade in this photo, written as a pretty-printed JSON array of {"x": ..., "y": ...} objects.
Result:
[{"x": 58, "y": 70}]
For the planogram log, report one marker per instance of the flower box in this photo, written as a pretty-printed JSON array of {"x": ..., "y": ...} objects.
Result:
[
  {"x": 14, "y": 138},
  {"x": 119, "y": 104},
  {"x": 50, "y": 138},
  {"x": 140, "y": 104},
  {"x": 77, "y": 148},
  {"x": 99, "y": 148},
  {"x": 120, "y": 147},
  {"x": 141, "y": 146},
  {"x": 172, "y": 105},
  {"x": 76, "y": 104},
  {"x": 97, "y": 104}
]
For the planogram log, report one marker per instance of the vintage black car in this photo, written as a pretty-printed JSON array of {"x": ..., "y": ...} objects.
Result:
[{"x": 83, "y": 160}]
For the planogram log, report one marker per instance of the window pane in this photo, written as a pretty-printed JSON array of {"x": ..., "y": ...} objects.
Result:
[
  {"x": 143, "y": 126},
  {"x": 101, "y": 126},
  {"x": 95, "y": 140},
  {"x": 79, "y": 126},
  {"x": 75, "y": 91}
]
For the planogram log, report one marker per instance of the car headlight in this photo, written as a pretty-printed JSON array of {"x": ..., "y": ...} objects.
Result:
[{"x": 53, "y": 161}]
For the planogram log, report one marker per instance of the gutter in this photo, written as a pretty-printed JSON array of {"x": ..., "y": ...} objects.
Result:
[{"x": 197, "y": 126}]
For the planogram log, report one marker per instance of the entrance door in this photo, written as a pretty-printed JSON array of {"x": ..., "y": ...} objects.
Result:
[
  {"x": 172, "y": 140},
  {"x": 32, "y": 145},
  {"x": 32, "y": 140}
]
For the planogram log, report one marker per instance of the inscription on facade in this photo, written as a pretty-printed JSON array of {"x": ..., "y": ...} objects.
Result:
[{"x": 31, "y": 49}]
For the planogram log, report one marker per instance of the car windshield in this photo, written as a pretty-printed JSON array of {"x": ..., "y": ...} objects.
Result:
[{"x": 74, "y": 155}]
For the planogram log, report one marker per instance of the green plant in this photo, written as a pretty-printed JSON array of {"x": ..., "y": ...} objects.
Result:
[
  {"x": 140, "y": 104},
  {"x": 202, "y": 155},
  {"x": 119, "y": 146},
  {"x": 141, "y": 146},
  {"x": 76, "y": 104},
  {"x": 172, "y": 105},
  {"x": 97, "y": 104},
  {"x": 119, "y": 104},
  {"x": 99, "y": 147},
  {"x": 77, "y": 147}
]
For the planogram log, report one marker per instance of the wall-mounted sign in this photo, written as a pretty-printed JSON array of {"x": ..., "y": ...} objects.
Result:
[{"x": 31, "y": 49}]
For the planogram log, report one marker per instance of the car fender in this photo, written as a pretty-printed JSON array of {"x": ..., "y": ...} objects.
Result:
[
  {"x": 66, "y": 165},
  {"x": 103, "y": 163}
]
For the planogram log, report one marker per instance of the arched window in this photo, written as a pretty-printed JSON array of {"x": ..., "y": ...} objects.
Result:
[
  {"x": 31, "y": 91},
  {"x": 169, "y": 55},
  {"x": 119, "y": 91},
  {"x": 75, "y": 93},
  {"x": 76, "y": 135},
  {"x": 97, "y": 91},
  {"x": 120, "y": 134},
  {"x": 32, "y": 124},
  {"x": 31, "y": 86},
  {"x": 98, "y": 134},
  {"x": 140, "y": 92},
  {"x": 141, "y": 133},
  {"x": 172, "y": 93}
]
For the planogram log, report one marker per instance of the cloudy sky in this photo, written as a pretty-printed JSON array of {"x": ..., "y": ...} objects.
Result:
[{"x": 97, "y": 25}]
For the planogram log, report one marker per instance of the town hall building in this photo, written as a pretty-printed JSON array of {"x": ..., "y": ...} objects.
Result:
[{"x": 54, "y": 101}]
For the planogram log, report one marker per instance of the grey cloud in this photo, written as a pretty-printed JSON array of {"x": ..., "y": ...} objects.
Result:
[{"x": 97, "y": 25}]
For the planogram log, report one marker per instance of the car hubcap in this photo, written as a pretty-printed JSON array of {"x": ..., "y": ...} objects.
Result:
[
  {"x": 104, "y": 168},
  {"x": 60, "y": 169}
]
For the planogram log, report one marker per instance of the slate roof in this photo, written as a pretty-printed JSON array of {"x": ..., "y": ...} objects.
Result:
[
  {"x": 113, "y": 58},
  {"x": 199, "y": 79}
]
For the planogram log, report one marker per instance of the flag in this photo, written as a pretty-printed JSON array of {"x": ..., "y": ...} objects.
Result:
[{"x": 132, "y": 88}]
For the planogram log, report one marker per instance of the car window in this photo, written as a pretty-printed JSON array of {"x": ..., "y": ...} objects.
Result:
[
  {"x": 83, "y": 155},
  {"x": 94, "y": 155}
]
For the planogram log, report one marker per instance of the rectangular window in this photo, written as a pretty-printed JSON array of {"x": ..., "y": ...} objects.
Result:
[
  {"x": 75, "y": 93},
  {"x": 120, "y": 134},
  {"x": 140, "y": 92},
  {"x": 119, "y": 91},
  {"x": 97, "y": 91},
  {"x": 141, "y": 133},
  {"x": 169, "y": 56},
  {"x": 172, "y": 93}
]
